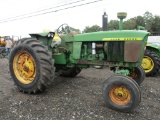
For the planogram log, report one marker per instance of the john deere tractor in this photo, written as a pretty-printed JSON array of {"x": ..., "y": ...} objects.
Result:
[
  {"x": 34, "y": 61},
  {"x": 151, "y": 60}
]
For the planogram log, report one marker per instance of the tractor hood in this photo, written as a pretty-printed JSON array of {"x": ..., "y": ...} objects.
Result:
[
  {"x": 43, "y": 34},
  {"x": 119, "y": 35}
]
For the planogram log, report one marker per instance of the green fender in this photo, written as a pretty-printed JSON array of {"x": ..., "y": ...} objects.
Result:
[{"x": 155, "y": 47}]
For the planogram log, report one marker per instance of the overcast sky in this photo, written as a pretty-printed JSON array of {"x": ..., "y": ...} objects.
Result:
[{"x": 21, "y": 17}]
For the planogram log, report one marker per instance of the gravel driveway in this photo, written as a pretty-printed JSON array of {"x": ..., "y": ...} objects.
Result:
[{"x": 76, "y": 98}]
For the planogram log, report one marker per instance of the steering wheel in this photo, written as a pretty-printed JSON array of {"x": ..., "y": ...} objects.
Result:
[{"x": 63, "y": 29}]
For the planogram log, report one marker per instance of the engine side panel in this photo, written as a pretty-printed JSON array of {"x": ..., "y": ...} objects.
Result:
[{"x": 132, "y": 50}]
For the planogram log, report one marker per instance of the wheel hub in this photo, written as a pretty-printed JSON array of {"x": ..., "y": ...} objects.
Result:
[
  {"x": 120, "y": 95},
  {"x": 25, "y": 68},
  {"x": 147, "y": 64}
]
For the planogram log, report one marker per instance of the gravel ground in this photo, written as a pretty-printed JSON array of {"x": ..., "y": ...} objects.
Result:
[{"x": 76, "y": 98}]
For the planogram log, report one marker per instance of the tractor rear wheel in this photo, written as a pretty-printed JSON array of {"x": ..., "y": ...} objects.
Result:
[
  {"x": 150, "y": 63},
  {"x": 121, "y": 93},
  {"x": 70, "y": 72},
  {"x": 138, "y": 75},
  {"x": 31, "y": 66}
]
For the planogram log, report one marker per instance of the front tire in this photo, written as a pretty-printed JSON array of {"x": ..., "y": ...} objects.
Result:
[
  {"x": 121, "y": 93},
  {"x": 31, "y": 66}
]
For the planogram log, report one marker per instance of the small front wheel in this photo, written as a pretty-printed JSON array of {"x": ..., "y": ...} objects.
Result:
[{"x": 121, "y": 93}]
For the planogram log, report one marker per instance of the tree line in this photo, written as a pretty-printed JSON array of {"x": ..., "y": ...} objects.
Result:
[{"x": 150, "y": 22}]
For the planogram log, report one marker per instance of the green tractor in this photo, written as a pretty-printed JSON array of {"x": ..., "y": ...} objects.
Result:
[
  {"x": 151, "y": 59},
  {"x": 34, "y": 61}
]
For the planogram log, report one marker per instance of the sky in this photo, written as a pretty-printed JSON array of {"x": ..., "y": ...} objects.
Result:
[{"x": 21, "y": 17}]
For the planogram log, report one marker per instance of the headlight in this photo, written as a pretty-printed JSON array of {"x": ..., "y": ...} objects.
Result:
[
  {"x": 52, "y": 35},
  {"x": 49, "y": 35}
]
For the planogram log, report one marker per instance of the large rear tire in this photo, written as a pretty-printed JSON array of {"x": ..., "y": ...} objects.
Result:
[
  {"x": 121, "y": 93},
  {"x": 31, "y": 66},
  {"x": 150, "y": 63}
]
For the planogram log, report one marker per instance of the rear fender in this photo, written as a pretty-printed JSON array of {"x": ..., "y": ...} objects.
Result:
[{"x": 154, "y": 49}]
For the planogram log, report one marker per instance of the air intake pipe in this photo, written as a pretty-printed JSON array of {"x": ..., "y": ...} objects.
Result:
[{"x": 121, "y": 16}]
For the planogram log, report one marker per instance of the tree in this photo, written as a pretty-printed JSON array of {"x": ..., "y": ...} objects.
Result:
[
  {"x": 150, "y": 22},
  {"x": 139, "y": 21},
  {"x": 74, "y": 29},
  {"x": 156, "y": 24},
  {"x": 129, "y": 24},
  {"x": 94, "y": 28},
  {"x": 113, "y": 25},
  {"x": 148, "y": 18}
]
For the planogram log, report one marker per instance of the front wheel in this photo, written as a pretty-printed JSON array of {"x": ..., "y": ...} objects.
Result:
[
  {"x": 121, "y": 93},
  {"x": 31, "y": 66}
]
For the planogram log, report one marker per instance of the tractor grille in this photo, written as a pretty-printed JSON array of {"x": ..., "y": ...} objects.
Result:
[{"x": 115, "y": 51}]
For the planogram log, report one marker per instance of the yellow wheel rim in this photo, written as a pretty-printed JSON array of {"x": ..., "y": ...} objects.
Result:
[
  {"x": 120, "y": 95},
  {"x": 147, "y": 64},
  {"x": 24, "y": 67}
]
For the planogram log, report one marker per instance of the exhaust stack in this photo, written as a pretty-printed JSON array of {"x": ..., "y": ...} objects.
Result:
[{"x": 104, "y": 21}]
